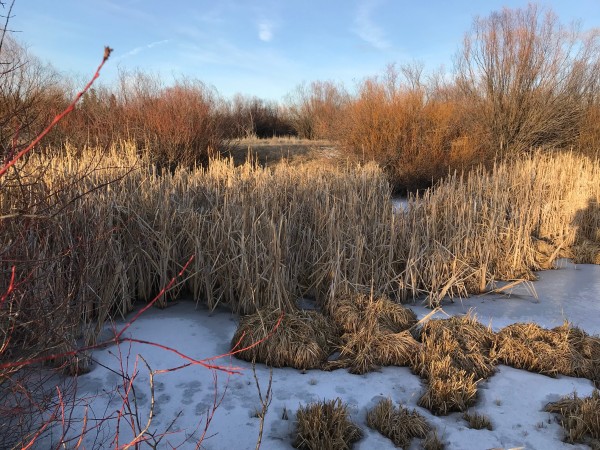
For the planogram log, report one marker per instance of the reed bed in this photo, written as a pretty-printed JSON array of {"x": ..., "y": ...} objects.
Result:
[{"x": 104, "y": 229}]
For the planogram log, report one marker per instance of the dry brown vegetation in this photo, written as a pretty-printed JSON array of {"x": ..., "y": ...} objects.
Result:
[
  {"x": 111, "y": 230},
  {"x": 374, "y": 332},
  {"x": 93, "y": 227},
  {"x": 397, "y": 423},
  {"x": 325, "y": 425},
  {"x": 478, "y": 421},
  {"x": 304, "y": 341},
  {"x": 563, "y": 350},
  {"x": 522, "y": 81},
  {"x": 580, "y": 418},
  {"x": 453, "y": 358}
]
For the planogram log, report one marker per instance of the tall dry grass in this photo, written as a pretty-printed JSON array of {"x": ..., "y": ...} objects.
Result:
[{"x": 263, "y": 237}]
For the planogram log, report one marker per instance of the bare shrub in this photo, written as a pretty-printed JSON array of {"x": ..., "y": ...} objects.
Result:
[
  {"x": 403, "y": 126},
  {"x": 315, "y": 109},
  {"x": 31, "y": 93},
  {"x": 527, "y": 78},
  {"x": 248, "y": 117}
]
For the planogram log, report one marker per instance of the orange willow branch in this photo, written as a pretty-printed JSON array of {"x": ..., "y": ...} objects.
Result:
[{"x": 58, "y": 117}]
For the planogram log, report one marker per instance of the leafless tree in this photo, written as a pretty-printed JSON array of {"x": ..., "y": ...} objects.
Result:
[{"x": 528, "y": 78}]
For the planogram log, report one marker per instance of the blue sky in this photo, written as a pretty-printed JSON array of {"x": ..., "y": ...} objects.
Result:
[{"x": 263, "y": 48}]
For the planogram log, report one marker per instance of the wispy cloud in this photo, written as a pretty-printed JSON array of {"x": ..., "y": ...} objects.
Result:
[
  {"x": 367, "y": 29},
  {"x": 141, "y": 48},
  {"x": 265, "y": 30}
]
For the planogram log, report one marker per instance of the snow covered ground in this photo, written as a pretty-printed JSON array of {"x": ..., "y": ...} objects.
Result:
[{"x": 513, "y": 399}]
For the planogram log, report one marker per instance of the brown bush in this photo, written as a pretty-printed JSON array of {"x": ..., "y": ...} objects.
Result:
[
  {"x": 406, "y": 129},
  {"x": 178, "y": 124},
  {"x": 315, "y": 110}
]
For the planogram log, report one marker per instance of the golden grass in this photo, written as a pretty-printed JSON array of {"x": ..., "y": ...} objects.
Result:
[
  {"x": 264, "y": 237},
  {"x": 303, "y": 340},
  {"x": 375, "y": 332},
  {"x": 580, "y": 418},
  {"x": 454, "y": 355},
  {"x": 531, "y": 347},
  {"x": 397, "y": 423},
  {"x": 325, "y": 425}
]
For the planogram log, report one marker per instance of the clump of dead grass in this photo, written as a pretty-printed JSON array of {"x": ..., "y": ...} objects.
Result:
[
  {"x": 397, "y": 423},
  {"x": 325, "y": 425},
  {"x": 349, "y": 310},
  {"x": 375, "y": 332},
  {"x": 478, "y": 421},
  {"x": 588, "y": 348},
  {"x": 303, "y": 339},
  {"x": 454, "y": 355},
  {"x": 580, "y": 418},
  {"x": 433, "y": 442},
  {"x": 448, "y": 389},
  {"x": 531, "y": 347}
]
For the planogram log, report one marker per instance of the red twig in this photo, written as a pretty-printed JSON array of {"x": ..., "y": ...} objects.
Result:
[
  {"x": 58, "y": 117},
  {"x": 11, "y": 287}
]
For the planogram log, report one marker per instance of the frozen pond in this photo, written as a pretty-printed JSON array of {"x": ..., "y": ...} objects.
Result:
[{"x": 513, "y": 399}]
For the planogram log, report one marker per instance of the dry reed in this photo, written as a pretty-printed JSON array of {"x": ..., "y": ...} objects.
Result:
[
  {"x": 397, "y": 423},
  {"x": 325, "y": 425},
  {"x": 375, "y": 332},
  {"x": 303, "y": 340},
  {"x": 454, "y": 355},
  {"x": 478, "y": 421},
  {"x": 580, "y": 418},
  {"x": 263, "y": 237},
  {"x": 531, "y": 347}
]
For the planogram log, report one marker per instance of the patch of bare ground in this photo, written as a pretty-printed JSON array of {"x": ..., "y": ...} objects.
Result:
[{"x": 272, "y": 151}]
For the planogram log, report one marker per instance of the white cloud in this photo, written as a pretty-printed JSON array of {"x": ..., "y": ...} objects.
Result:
[
  {"x": 137, "y": 50},
  {"x": 367, "y": 29},
  {"x": 265, "y": 31}
]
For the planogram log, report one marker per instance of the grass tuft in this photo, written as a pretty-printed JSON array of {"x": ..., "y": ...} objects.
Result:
[
  {"x": 580, "y": 418},
  {"x": 478, "y": 421},
  {"x": 325, "y": 425},
  {"x": 397, "y": 423},
  {"x": 303, "y": 340}
]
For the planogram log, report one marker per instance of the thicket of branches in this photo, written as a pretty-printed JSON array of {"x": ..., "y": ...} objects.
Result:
[{"x": 522, "y": 81}]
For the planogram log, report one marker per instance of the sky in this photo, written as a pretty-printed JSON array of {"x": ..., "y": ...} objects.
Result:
[{"x": 263, "y": 48}]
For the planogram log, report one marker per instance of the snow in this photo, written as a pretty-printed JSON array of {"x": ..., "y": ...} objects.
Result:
[
  {"x": 399, "y": 204},
  {"x": 513, "y": 399}
]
